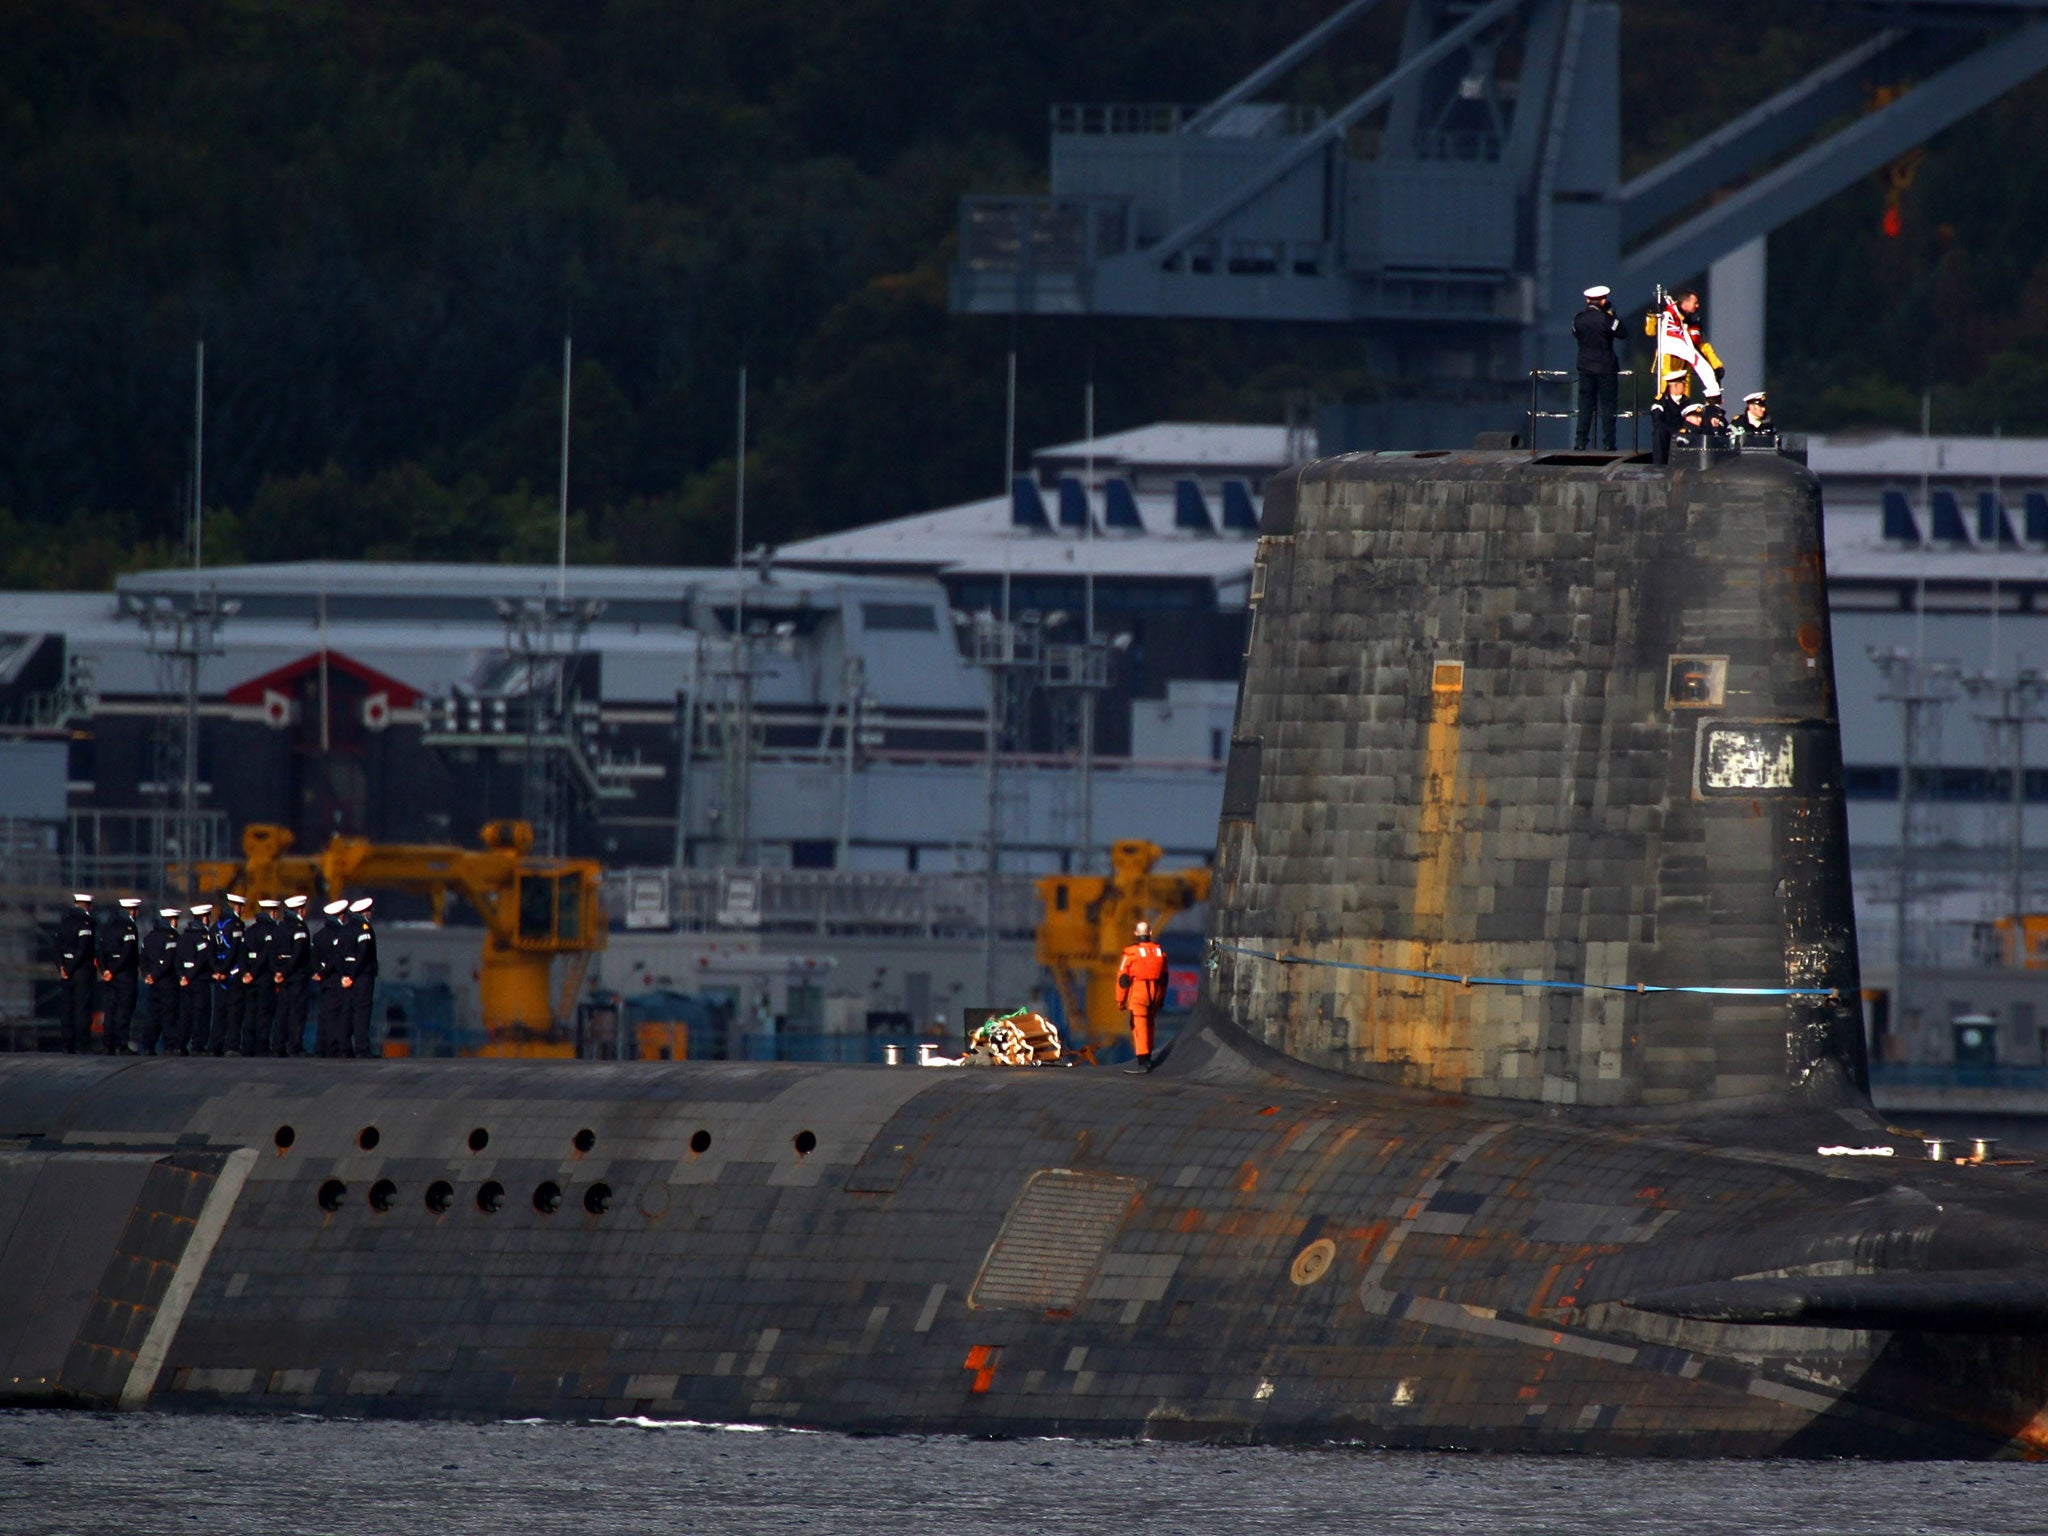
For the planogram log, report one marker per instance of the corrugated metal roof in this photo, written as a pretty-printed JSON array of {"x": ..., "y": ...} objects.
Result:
[
  {"x": 1184, "y": 444},
  {"x": 1905, "y": 456},
  {"x": 977, "y": 538}
]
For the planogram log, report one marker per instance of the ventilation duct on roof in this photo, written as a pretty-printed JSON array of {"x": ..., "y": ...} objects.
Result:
[
  {"x": 1073, "y": 502},
  {"x": 1948, "y": 518},
  {"x": 1239, "y": 515},
  {"x": 1992, "y": 527},
  {"x": 1120, "y": 506},
  {"x": 1027, "y": 507},
  {"x": 1190, "y": 510},
  {"x": 1899, "y": 522}
]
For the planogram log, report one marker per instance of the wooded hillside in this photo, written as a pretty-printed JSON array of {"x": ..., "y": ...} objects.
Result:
[{"x": 382, "y": 217}]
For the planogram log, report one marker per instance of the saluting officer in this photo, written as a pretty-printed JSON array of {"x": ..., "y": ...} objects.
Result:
[
  {"x": 291, "y": 962},
  {"x": 74, "y": 944},
  {"x": 334, "y": 959},
  {"x": 363, "y": 988},
  {"x": 195, "y": 981},
  {"x": 229, "y": 996},
  {"x": 160, "y": 982},
  {"x": 252, "y": 975},
  {"x": 120, "y": 953}
]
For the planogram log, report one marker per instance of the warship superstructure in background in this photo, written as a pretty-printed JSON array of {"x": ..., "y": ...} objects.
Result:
[{"x": 1526, "y": 1108}]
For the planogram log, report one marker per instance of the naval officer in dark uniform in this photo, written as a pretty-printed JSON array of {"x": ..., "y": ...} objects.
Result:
[
  {"x": 1594, "y": 329},
  {"x": 74, "y": 944},
  {"x": 290, "y": 967},
  {"x": 252, "y": 975},
  {"x": 120, "y": 957},
  {"x": 160, "y": 983},
  {"x": 195, "y": 981},
  {"x": 229, "y": 998},
  {"x": 363, "y": 991},
  {"x": 334, "y": 959}
]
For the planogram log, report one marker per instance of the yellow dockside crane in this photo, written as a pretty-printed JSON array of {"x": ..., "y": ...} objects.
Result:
[
  {"x": 533, "y": 909},
  {"x": 1087, "y": 922}
]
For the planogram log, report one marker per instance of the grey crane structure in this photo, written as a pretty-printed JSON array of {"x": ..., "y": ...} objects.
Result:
[{"x": 1455, "y": 235}]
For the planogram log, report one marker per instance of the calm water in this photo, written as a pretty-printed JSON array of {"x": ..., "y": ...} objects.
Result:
[{"x": 97, "y": 1475}]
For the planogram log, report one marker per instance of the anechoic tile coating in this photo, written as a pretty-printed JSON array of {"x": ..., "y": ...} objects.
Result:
[
  {"x": 1474, "y": 1291},
  {"x": 1457, "y": 698}
]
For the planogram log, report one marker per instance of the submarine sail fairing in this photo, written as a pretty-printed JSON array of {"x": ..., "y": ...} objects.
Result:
[{"x": 1525, "y": 1108}]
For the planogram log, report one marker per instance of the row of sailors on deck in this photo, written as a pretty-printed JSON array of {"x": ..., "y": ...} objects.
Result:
[{"x": 217, "y": 986}]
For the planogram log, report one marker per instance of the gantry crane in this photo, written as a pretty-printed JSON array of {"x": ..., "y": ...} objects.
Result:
[
  {"x": 533, "y": 909},
  {"x": 1087, "y": 922}
]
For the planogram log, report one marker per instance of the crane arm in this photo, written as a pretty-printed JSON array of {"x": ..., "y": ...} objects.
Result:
[{"x": 480, "y": 877}]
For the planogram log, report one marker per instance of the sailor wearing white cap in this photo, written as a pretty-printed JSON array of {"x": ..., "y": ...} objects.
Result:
[
  {"x": 72, "y": 944},
  {"x": 252, "y": 976},
  {"x": 291, "y": 963},
  {"x": 120, "y": 957},
  {"x": 1594, "y": 329},
  {"x": 1753, "y": 428},
  {"x": 364, "y": 992},
  {"x": 160, "y": 978},
  {"x": 334, "y": 959},
  {"x": 195, "y": 982},
  {"x": 230, "y": 998}
]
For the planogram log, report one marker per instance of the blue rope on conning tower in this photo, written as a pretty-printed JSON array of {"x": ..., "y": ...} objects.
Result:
[{"x": 1216, "y": 945}]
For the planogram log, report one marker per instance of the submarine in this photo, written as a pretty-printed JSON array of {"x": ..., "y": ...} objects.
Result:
[{"x": 1525, "y": 1107}]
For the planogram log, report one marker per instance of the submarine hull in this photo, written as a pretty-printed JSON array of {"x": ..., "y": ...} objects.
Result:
[
  {"x": 1525, "y": 1110},
  {"x": 1236, "y": 1248}
]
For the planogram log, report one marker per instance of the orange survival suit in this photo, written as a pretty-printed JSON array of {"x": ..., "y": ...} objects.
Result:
[{"x": 1141, "y": 988}]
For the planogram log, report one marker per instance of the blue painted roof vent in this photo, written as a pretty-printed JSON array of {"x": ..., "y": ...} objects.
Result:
[
  {"x": 2037, "y": 517},
  {"x": 1073, "y": 502},
  {"x": 1239, "y": 515},
  {"x": 1899, "y": 522},
  {"x": 1993, "y": 527},
  {"x": 1948, "y": 518},
  {"x": 1027, "y": 507},
  {"x": 1190, "y": 510},
  {"x": 1120, "y": 506}
]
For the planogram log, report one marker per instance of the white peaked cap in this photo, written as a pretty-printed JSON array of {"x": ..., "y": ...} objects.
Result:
[
  {"x": 361, "y": 904},
  {"x": 295, "y": 902},
  {"x": 166, "y": 911},
  {"x": 202, "y": 909},
  {"x": 237, "y": 900},
  {"x": 1752, "y": 397},
  {"x": 334, "y": 907},
  {"x": 131, "y": 902},
  {"x": 1598, "y": 291},
  {"x": 269, "y": 901},
  {"x": 81, "y": 895}
]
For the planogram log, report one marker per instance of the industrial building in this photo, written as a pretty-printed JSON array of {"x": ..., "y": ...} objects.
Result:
[{"x": 855, "y": 719}]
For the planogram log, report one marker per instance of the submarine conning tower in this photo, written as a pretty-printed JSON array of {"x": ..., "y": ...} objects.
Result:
[{"x": 1559, "y": 732}]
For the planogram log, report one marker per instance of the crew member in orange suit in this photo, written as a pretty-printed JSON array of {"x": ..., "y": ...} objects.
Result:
[{"x": 1140, "y": 989}]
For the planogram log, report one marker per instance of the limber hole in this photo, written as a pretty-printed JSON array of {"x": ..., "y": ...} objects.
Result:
[
  {"x": 440, "y": 1195},
  {"x": 367, "y": 1137},
  {"x": 284, "y": 1137},
  {"x": 382, "y": 1193},
  {"x": 700, "y": 1142},
  {"x": 584, "y": 1139},
  {"x": 547, "y": 1198},
  {"x": 597, "y": 1199},
  {"x": 479, "y": 1139},
  {"x": 491, "y": 1198},
  {"x": 332, "y": 1193},
  {"x": 805, "y": 1143}
]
